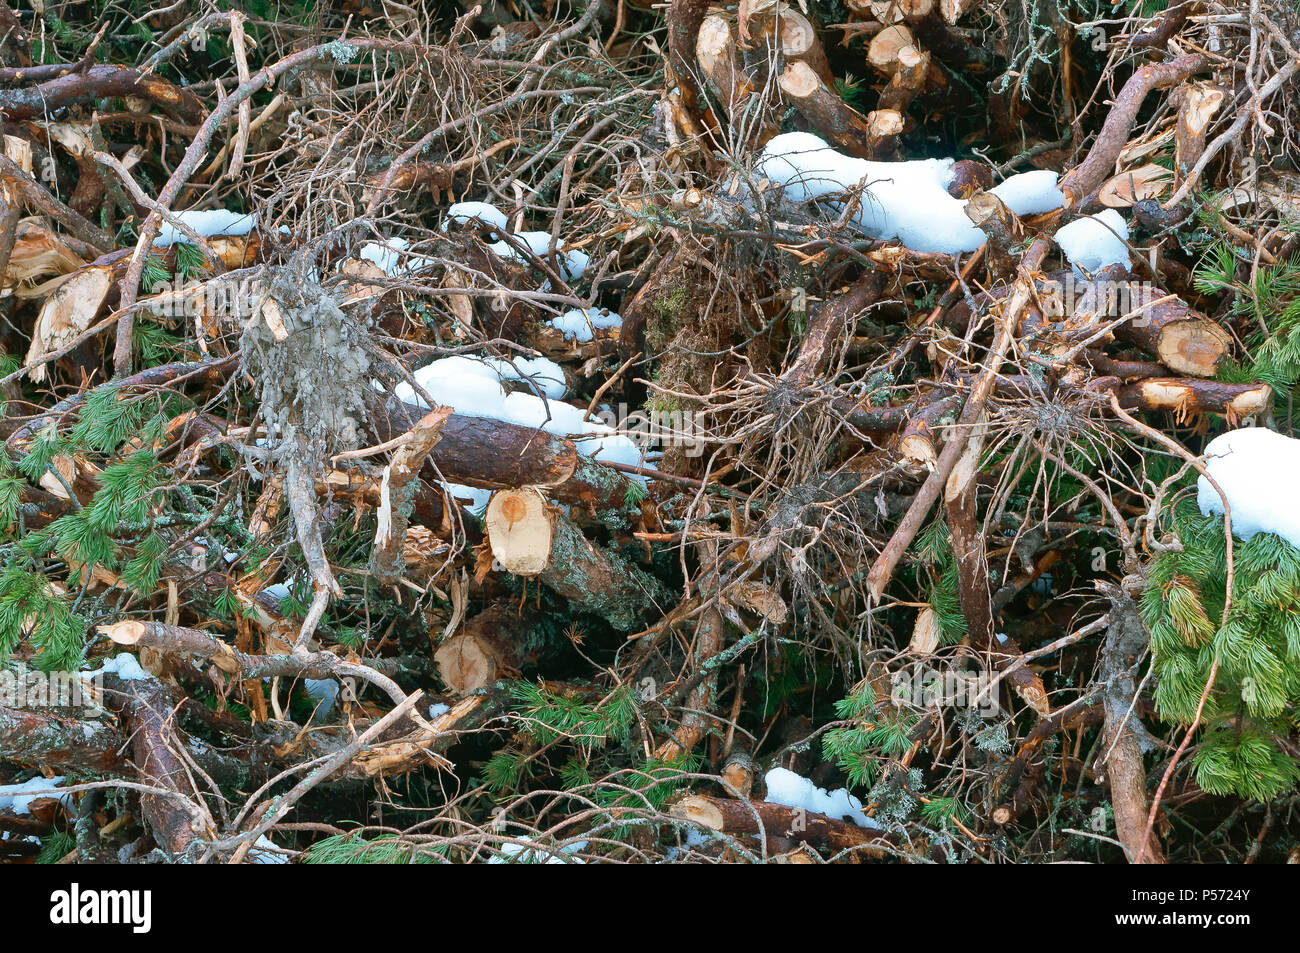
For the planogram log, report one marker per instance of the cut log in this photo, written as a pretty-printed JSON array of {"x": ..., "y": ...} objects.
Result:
[
  {"x": 917, "y": 440},
  {"x": 495, "y": 455},
  {"x": 720, "y": 62},
  {"x": 952, "y": 10},
  {"x": 882, "y": 52},
  {"x": 1187, "y": 396},
  {"x": 782, "y": 825},
  {"x": 1197, "y": 105},
  {"x": 969, "y": 176},
  {"x": 893, "y": 11},
  {"x": 913, "y": 68},
  {"x": 1185, "y": 341},
  {"x": 719, "y": 59},
  {"x": 739, "y": 769},
  {"x": 597, "y": 580},
  {"x": 519, "y": 531},
  {"x": 794, "y": 35},
  {"x": 485, "y": 650},
  {"x": 884, "y": 126},
  {"x": 1002, "y": 228},
  {"x": 823, "y": 109}
]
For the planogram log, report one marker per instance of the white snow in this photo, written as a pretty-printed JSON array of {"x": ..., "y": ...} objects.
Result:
[
  {"x": 792, "y": 790},
  {"x": 533, "y": 855},
  {"x": 464, "y": 212},
  {"x": 208, "y": 224},
  {"x": 438, "y": 710},
  {"x": 124, "y": 666},
  {"x": 277, "y": 590},
  {"x": 1095, "y": 242},
  {"x": 18, "y": 797},
  {"x": 1030, "y": 193},
  {"x": 573, "y": 262},
  {"x": 477, "y": 498},
  {"x": 540, "y": 374},
  {"x": 904, "y": 200},
  {"x": 325, "y": 691},
  {"x": 1256, "y": 468},
  {"x": 266, "y": 851},
  {"x": 472, "y": 388},
  {"x": 390, "y": 256},
  {"x": 580, "y": 323}
]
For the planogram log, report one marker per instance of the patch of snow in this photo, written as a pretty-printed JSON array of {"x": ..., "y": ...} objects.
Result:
[
  {"x": 580, "y": 323},
  {"x": 277, "y": 590},
  {"x": 18, "y": 797},
  {"x": 325, "y": 691},
  {"x": 573, "y": 262},
  {"x": 904, "y": 200},
  {"x": 477, "y": 498},
  {"x": 472, "y": 388},
  {"x": 1091, "y": 244},
  {"x": 792, "y": 790},
  {"x": 540, "y": 374},
  {"x": 266, "y": 851},
  {"x": 535, "y": 855},
  {"x": 438, "y": 710},
  {"x": 1030, "y": 193},
  {"x": 391, "y": 258},
  {"x": 207, "y": 223},
  {"x": 1256, "y": 468},
  {"x": 124, "y": 666},
  {"x": 464, "y": 212}
]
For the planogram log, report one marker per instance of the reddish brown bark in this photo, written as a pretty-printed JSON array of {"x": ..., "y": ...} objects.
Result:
[{"x": 99, "y": 82}]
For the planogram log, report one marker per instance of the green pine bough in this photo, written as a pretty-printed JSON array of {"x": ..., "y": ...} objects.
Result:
[{"x": 1254, "y": 704}]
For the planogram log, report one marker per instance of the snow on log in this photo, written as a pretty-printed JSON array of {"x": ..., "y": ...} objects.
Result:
[
  {"x": 492, "y": 454},
  {"x": 1255, "y": 468},
  {"x": 1095, "y": 242},
  {"x": 474, "y": 388},
  {"x": 905, "y": 200},
  {"x": 207, "y": 224},
  {"x": 784, "y": 827}
]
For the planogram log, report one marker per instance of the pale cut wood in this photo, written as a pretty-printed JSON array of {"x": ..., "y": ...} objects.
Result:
[
  {"x": 485, "y": 650},
  {"x": 842, "y": 125},
  {"x": 519, "y": 530},
  {"x": 882, "y": 53},
  {"x": 952, "y": 10}
]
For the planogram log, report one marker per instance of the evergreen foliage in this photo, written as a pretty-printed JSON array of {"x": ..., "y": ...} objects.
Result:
[{"x": 1256, "y": 692}]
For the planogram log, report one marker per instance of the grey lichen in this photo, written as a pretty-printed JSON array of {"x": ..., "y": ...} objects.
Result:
[{"x": 314, "y": 381}]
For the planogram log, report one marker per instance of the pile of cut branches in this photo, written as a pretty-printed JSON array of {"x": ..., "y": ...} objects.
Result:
[{"x": 611, "y": 432}]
